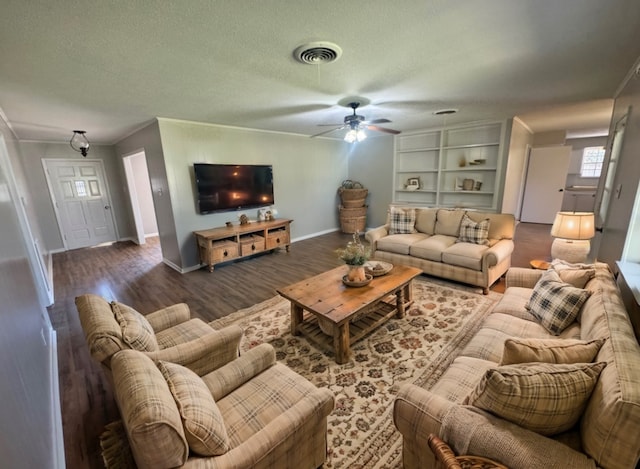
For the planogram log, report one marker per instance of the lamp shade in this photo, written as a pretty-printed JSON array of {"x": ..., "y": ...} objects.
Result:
[{"x": 573, "y": 225}]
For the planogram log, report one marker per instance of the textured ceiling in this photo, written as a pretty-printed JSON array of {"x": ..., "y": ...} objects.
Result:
[{"x": 111, "y": 67}]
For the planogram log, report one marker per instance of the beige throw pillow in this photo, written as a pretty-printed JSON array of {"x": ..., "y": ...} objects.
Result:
[
  {"x": 576, "y": 275},
  {"x": 201, "y": 418},
  {"x": 542, "y": 397},
  {"x": 550, "y": 350},
  {"x": 137, "y": 333}
]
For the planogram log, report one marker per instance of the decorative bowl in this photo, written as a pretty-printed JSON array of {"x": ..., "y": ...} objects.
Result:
[
  {"x": 349, "y": 283},
  {"x": 377, "y": 268}
]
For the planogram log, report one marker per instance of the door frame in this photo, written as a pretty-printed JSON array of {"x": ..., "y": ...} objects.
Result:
[{"x": 53, "y": 197}]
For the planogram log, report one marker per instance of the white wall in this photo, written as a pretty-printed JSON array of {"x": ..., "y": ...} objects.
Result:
[
  {"x": 143, "y": 192},
  {"x": 608, "y": 246},
  {"x": 516, "y": 163},
  {"x": 30, "y": 424}
]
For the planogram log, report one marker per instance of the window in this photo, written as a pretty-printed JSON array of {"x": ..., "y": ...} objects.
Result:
[{"x": 592, "y": 159}]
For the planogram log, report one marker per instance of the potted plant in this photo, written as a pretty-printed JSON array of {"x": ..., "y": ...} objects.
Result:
[{"x": 355, "y": 255}]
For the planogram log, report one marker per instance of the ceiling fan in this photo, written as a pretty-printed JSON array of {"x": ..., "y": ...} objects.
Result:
[{"x": 357, "y": 125}]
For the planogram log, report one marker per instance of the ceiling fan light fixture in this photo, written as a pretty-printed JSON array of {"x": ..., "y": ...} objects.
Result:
[
  {"x": 317, "y": 53},
  {"x": 361, "y": 135},
  {"x": 79, "y": 142},
  {"x": 351, "y": 136}
]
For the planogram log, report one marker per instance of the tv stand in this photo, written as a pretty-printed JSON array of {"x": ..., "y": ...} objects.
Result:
[{"x": 226, "y": 243}]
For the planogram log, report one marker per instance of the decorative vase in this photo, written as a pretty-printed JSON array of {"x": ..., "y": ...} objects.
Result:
[{"x": 356, "y": 273}]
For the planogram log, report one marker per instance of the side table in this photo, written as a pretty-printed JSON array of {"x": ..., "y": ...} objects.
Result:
[{"x": 539, "y": 264}]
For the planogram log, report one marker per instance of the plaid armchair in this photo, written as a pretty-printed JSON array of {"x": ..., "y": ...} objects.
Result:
[
  {"x": 169, "y": 334},
  {"x": 250, "y": 413}
]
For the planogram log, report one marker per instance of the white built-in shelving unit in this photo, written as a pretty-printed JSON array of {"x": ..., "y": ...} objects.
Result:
[{"x": 455, "y": 167}]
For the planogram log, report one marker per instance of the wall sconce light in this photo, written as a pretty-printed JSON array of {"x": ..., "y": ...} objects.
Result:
[
  {"x": 572, "y": 231},
  {"x": 79, "y": 142}
]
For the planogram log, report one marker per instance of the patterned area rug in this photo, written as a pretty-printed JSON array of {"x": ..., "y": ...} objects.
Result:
[{"x": 416, "y": 349}]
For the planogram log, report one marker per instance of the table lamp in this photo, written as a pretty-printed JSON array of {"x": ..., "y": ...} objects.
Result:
[{"x": 572, "y": 232}]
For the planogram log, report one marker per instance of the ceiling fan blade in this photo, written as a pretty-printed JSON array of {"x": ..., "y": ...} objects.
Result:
[
  {"x": 330, "y": 125},
  {"x": 382, "y": 129},
  {"x": 328, "y": 131},
  {"x": 377, "y": 121}
]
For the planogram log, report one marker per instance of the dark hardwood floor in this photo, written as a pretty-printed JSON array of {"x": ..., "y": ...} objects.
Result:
[{"x": 135, "y": 275}]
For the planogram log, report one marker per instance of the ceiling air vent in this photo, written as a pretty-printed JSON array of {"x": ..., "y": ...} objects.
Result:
[{"x": 317, "y": 53}]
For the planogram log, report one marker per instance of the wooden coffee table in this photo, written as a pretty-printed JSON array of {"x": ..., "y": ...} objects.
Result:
[{"x": 350, "y": 312}]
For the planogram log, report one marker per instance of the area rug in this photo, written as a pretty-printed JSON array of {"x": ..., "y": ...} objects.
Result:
[{"x": 416, "y": 349}]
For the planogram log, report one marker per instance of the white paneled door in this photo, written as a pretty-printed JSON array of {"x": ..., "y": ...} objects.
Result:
[
  {"x": 81, "y": 200},
  {"x": 546, "y": 179}
]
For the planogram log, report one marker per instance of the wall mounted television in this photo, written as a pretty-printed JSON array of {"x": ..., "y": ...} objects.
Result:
[{"x": 225, "y": 187}]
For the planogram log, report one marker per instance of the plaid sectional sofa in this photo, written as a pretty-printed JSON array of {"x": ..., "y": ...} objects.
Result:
[
  {"x": 584, "y": 411},
  {"x": 461, "y": 245}
]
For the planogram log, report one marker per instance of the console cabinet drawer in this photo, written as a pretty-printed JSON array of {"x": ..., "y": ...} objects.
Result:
[
  {"x": 251, "y": 244},
  {"x": 277, "y": 238},
  {"x": 223, "y": 251}
]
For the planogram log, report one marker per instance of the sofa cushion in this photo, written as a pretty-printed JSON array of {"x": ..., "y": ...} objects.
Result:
[
  {"x": 148, "y": 410},
  {"x": 448, "y": 222},
  {"x": 513, "y": 303},
  {"x": 431, "y": 248},
  {"x": 521, "y": 350},
  {"x": 542, "y": 397},
  {"x": 426, "y": 220},
  {"x": 467, "y": 255},
  {"x": 401, "y": 243},
  {"x": 555, "y": 303},
  {"x": 474, "y": 232},
  {"x": 461, "y": 377},
  {"x": 203, "y": 424},
  {"x": 184, "y": 332},
  {"x": 137, "y": 333},
  {"x": 402, "y": 220},
  {"x": 502, "y": 225}
]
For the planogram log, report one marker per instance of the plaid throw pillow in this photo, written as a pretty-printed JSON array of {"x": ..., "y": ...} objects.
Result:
[
  {"x": 137, "y": 333},
  {"x": 402, "y": 221},
  {"x": 554, "y": 303},
  {"x": 472, "y": 232},
  {"x": 542, "y": 397},
  {"x": 201, "y": 418}
]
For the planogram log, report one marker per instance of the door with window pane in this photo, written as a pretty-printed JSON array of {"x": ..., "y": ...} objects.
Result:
[{"x": 81, "y": 202}]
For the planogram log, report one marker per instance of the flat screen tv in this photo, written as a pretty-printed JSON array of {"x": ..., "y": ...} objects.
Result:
[{"x": 224, "y": 187}]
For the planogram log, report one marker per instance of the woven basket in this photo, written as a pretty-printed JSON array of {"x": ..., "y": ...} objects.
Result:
[
  {"x": 352, "y": 212},
  {"x": 353, "y": 224},
  {"x": 352, "y": 198}
]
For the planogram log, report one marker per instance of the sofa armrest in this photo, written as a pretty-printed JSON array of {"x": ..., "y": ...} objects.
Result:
[
  {"x": 468, "y": 430},
  {"x": 168, "y": 317},
  {"x": 497, "y": 253},
  {"x": 206, "y": 353},
  {"x": 225, "y": 379},
  {"x": 375, "y": 234},
  {"x": 418, "y": 412},
  {"x": 522, "y": 277},
  {"x": 314, "y": 407}
]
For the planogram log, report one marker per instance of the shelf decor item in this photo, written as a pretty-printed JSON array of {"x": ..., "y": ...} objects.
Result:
[{"x": 355, "y": 255}]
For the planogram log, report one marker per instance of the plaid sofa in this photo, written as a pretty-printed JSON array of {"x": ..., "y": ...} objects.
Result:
[
  {"x": 431, "y": 239},
  {"x": 606, "y": 433}
]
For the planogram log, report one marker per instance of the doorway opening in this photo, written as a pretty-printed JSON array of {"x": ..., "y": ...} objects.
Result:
[{"x": 140, "y": 196}]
